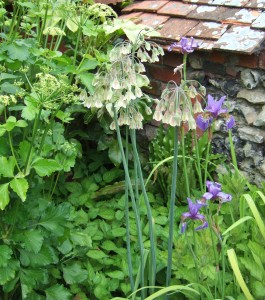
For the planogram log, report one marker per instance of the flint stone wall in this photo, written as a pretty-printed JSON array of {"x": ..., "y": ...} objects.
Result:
[{"x": 242, "y": 79}]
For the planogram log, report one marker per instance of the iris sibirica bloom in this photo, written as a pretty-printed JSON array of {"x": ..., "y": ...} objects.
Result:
[
  {"x": 215, "y": 192},
  {"x": 185, "y": 45},
  {"x": 193, "y": 214},
  {"x": 213, "y": 110}
]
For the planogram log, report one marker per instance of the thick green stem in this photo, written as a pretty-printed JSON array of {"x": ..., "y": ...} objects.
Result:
[
  {"x": 198, "y": 161},
  {"x": 232, "y": 149},
  {"x": 11, "y": 144},
  {"x": 187, "y": 184},
  {"x": 148, "y": 209},
  {"x": 128, "y": 238},
  {"x": 136, "y": 212},
  {"x": 35, "y": 127},
  {"x": 172, "y": 207},
  {"x": 207, "y": 158}
]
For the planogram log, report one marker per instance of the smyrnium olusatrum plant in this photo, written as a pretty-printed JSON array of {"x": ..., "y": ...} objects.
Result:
[{"x": 118, "y": 91}]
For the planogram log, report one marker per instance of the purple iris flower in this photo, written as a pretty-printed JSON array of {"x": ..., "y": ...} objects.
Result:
[
  {"x": 215, "y": 106},
  {"x": 193, "y": 214},
  {"x": 230, "y": 122},
  {"x": 185, "y": 45},
  {"x": 203, "y": 122},
  {"x": 214, "y": 191}
]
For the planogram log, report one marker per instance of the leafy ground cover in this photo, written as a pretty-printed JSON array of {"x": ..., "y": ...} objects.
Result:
[{"x": 85, "y": 212}]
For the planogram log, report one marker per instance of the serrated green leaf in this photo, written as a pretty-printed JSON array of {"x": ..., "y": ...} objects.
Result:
[
  {"x": 57, "y": 292},
  {"x": 33, "y": 240},
  {"x": 7, "y": 166},
  {"x": 55, "y": 217},
  {"x": 96, "y": 254},
  {"x": 2, "y": 130},
  {"x": 30, "y": 111},
  {"x": 5, "y": 255},
  {"x": 109, "y": 246},
  {"x": 45, "y": 167},
  {"x": 9, "y": 272},
  {"x": 74, "y": 274},
  {"x": 116, "y": 274},
  {"x": 4, "y": 195},
  {"x": 44, "y": 257},
  {"x": 66, "y": 247},
  {"x": 20, "y": 187}
]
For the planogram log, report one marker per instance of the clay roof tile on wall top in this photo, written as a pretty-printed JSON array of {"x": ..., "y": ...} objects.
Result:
[{"x": 227, "y": 25}]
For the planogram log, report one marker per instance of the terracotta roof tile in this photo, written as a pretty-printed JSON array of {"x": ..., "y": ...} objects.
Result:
[
  {"x": 236, "y": 3},
  {"x": 133, "y": 17},
  {"x": 208, "y": 30},
  {"x": 227, "y": 25},
  {"x": 153, "y": 20},
  {"x": 151, "y": 6},
  {"x": 176, "y": 28},
  {"x": 259, "y": 22},
  {"x": 241, "y": 39},
  {"x": 212, "y": 13},
  {"x": 256, "y": 4},
  {"x": 174, "y": 8},
  {"x": 244, "y": 16}
]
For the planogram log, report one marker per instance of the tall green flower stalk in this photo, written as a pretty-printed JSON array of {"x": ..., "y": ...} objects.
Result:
[
  {"x": 175, "y": 109},
  {"x": 118, "y": 91}
]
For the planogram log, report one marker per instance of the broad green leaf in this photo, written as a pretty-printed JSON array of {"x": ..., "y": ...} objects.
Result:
[
  {"x": 57, "y": 292},
  {"x": 4, "y": 146},
  {"x": 7, "y": 166},
  {"x": 10, "y": 88},
  {"x": 74, "y": 274},
  {"x": 17, "y": 52},
  {"x": 2, "y": 130},
  {"x": 10, "y": 123},
  {"x": 87, "y": 64},
  {"x": 4, "y": 195},
  {"x": 116, "y": 232},
  {"x": 30, "y": 111},
  {"x": 45, "y": 167},
  {"x": 33, "y": 240},
  {"x": 4, "y": 76},
  {"x": 24, "y": 148},
  {"x": 66, "y": 247},
  {"x": 81, "y": 238},
  {"x": 115, "y": 154},
  {"x": 87, "y": 79},
  {"x": 20, "y": 187},
  {"x": 21, "y": 123},
  {"x": 106, "y": 213},
  {"x": 116, "y": 274},
  {"x": 7, "y": 273},
  {"x": 5, "y": 255},
  {"x": 72, "y": 24},
  {"x": 109, "y": 246},
  {"x": 96, "y": 254}
]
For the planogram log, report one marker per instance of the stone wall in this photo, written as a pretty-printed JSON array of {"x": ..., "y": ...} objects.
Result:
[{"x": 242, "y": 79}]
